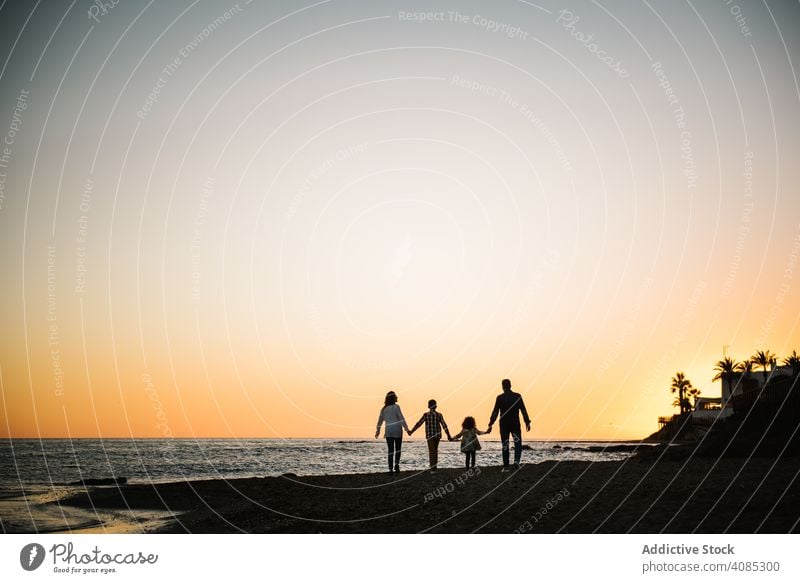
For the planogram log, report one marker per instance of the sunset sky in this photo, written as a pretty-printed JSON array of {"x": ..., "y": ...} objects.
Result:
[{"x": 254, "y": 219}]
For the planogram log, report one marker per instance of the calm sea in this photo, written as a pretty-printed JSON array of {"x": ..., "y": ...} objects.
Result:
[{"x": 64, "y": 461}]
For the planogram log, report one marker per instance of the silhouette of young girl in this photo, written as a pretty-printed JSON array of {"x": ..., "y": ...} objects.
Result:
[
  {"x": 469, "y": 440},
  {"x": 395, "y": 423}
]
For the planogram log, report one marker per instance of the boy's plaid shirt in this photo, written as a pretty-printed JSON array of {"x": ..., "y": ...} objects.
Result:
[{"x": 434, "y": 423}]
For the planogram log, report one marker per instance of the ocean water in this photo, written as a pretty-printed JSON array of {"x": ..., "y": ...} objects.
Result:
[
  {"x": 35, "y": 475},
  {"x": 60, "y": 462}
]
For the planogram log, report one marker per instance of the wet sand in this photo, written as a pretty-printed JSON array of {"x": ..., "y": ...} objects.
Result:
[
  {"x": 41, "y": 509},
  {"x": 637, "y": 495}
]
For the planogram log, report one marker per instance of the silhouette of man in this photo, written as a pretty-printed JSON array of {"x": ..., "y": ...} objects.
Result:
[{"x": 509, "y": 405}]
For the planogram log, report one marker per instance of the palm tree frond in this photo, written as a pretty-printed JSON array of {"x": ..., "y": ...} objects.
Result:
[{"x": 725, "y": 367}]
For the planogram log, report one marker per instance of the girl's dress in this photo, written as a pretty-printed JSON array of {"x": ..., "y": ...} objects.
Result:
[{"x": 469, "y": 440}]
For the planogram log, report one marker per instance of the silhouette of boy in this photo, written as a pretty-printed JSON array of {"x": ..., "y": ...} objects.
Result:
[{"x": 434, "y": 423}]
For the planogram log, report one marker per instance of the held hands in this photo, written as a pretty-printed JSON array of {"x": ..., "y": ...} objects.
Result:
[{"x": 489, "y": 429}]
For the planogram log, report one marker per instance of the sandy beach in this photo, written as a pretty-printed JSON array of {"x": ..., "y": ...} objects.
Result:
[{"x": 638, "y": 495}]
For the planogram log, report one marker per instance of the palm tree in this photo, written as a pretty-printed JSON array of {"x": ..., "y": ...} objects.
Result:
[
  {"x": 680, "y": 385},
  {"x": 764, "y": 358},
  {"x": 745, "y": 367},
  {"x": 793, "y": 360},
  {"x": 685, "y": 405},
  {"x": 725, "y": 368}
]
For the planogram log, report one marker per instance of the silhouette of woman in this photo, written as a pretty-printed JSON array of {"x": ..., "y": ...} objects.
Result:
[{"x": 395, "y": 423}]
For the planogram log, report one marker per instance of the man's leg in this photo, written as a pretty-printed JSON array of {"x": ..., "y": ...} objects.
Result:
[
  {"x": 504, "y": 441},
  {"x": 517, "y": 436}
]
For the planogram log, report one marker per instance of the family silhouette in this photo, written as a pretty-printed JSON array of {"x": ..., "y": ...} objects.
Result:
[{"x": 507, "y": 407}]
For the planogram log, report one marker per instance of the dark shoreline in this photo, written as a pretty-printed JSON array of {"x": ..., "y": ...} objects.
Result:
[{"x": 676, "y": 495}]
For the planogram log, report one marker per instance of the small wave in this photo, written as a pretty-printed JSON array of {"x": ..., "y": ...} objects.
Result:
[{"x": 100, "y": 482}]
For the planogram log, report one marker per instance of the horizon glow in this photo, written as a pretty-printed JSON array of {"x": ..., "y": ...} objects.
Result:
[{"x": 253, "y": 219}]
